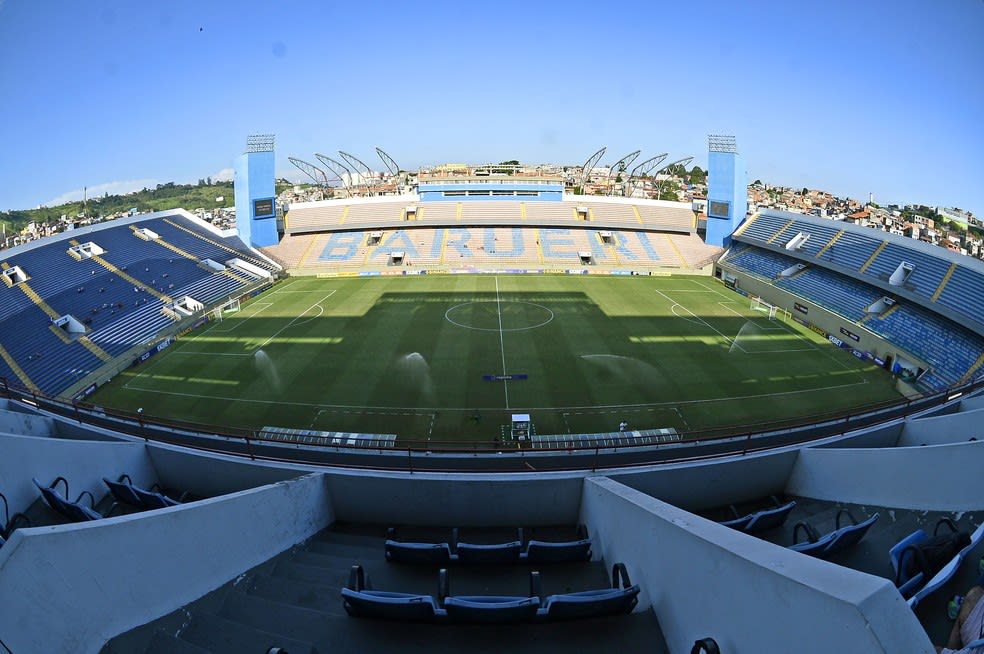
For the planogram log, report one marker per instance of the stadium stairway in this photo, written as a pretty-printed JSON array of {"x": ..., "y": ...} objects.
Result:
[{"x": 293, "y": 601}]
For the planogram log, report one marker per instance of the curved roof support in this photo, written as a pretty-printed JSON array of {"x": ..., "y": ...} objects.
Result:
[
  {"x": 643, "y": 169},
  {"x": 388, "y": 162},
  {"x": 590, "y": 164},
  {"x": 620, "y": 166},
  {"x": 319, "y": 176},
  {"x": 338, "y": 168},
  {"x": 358, "y": 166}
]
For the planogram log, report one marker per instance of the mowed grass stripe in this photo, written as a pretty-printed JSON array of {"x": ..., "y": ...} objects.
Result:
[{"x": 386, "y": 342}]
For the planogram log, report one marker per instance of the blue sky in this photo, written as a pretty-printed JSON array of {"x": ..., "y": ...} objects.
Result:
[{"x": 851, "y": 97}]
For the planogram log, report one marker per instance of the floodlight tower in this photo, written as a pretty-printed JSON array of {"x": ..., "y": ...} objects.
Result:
[
  {"x": 589, "y": 165},
  {"x": 255, "y": 190},
  {"x": 727, "y": 189}
]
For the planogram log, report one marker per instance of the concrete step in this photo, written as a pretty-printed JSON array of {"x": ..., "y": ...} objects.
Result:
[
  {"x": 330, "y": 578},
  {"x": 275, "y": 617},
  {"x": 222, "y": 636},
  {"x": 164, "y": 643},
  {"x": 341, "y": 561},
  {"x": 374, "y": 551},
  {"x": 326, "y": 599},
  {"x": 365, "y": 536}
]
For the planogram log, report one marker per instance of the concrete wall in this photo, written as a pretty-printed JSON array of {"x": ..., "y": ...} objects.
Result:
[
  {"x": 82, "y": 463},
  {"x": 935, "y": 477},
  {"x": 703, "y": 579},
  {"x": 216, "y": 474},
  {"x": 952, "y": 428},
  {"x": 456, "y": 500},
  {"x": 712, "y": 483},
  {"x": 69, "y": 588}
]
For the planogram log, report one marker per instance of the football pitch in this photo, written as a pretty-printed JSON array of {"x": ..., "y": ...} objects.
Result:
[{"x": 451, "y": 357}]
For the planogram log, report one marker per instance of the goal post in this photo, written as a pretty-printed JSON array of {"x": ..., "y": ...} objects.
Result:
[
  {"x": 232, "y": 306},
  {"x": 758, "y": 304}
]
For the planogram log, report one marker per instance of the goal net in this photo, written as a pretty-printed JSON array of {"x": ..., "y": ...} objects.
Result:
[
  {"x": 758, "y": 304},
  {"x": 232, "y": 306}
]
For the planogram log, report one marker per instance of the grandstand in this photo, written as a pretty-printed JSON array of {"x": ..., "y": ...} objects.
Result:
[{"x": 252, "y": 540}]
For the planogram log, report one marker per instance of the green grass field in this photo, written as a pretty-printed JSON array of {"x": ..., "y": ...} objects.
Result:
[{"x": 407, "y": 356}]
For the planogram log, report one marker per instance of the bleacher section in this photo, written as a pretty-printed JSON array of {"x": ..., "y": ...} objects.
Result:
[
  {"x": 118, "y": 296},
  {"x": 388, "y": 212},
  {"x": 949, "y": 348},
  {"x": 491, "y": 247},
  {"x": 964, "y": 292},
  {"x": 951, "y": 281}
]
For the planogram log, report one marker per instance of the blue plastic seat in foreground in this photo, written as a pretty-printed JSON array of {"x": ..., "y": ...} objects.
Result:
[
  {"x": 122, "y": 490},
  {"x": 948, "y": 570},
  {"x": 839, "y": 539},
  {"x": 74, "y": 511},
  {"x": 620, "y": 599},
  {"x": 489, "y": 554},
  {"x": 362, "y": 602},
  {"x": 425, "y": 553},
  {"x": 769, "y": 518},
  {"x": 539, "y": 551},
  {"x": 491, "y": 608},
  {"x": 151, "y": 499},
  {"x": 907, "y": 585}
]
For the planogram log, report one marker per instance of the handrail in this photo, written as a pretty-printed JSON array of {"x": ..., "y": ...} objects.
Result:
[{"x": 740, "y": 440}]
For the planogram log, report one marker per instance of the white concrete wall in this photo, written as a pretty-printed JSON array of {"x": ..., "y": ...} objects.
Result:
[
  {"x": 719, "y": 481},
  {"x": 69, "y": 588},
  {"x": 703, "y": 579},
  {"x": 26, "y": 424},
  {"x": 208, "y": 475},
  {"x": 457, "y": 500},
  {"x": 935, "y": 477},
  {"x": 951, "y": 428},
  {"x": 82, "y": 463}
]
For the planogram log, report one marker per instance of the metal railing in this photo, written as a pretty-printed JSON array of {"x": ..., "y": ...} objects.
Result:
[{"x": 474, "y": 456}]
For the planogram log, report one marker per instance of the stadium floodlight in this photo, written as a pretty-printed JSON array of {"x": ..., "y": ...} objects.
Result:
[
  {"x": 589, "y": 166},
  {"x": 619, "y": 166},
  {"x": 338, "y": 168},
  {"x": 722, "y": 143},
  {"x": 319, "y": 176},
  {"x": 356, "y": 164},
  {"x": 259, "y": 143},
  {"x": 644, "y": 169},
  {"x": 388, "y": 162}
]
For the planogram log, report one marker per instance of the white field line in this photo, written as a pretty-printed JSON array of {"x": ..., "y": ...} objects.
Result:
[
  {"x": 418, "y": 410},
  {"x": 321, "y": 310},
  {"x": 259, "y": 306},
  {"x": 697, "y": 318},
  {"x": 502, "y": 346}
]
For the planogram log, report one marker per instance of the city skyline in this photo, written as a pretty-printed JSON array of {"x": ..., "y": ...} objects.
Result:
[{"x": 852, "y": 100}]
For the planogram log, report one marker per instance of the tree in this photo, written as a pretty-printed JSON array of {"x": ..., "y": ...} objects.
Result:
[
  {"x": 804, "y": 191},
  {"x": 697, "y": 176}
]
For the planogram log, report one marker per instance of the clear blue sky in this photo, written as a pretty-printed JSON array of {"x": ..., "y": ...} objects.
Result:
[{"x": 847, "y": 96}]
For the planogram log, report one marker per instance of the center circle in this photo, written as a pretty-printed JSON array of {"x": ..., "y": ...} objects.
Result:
[{"x": 506, "y": 316}]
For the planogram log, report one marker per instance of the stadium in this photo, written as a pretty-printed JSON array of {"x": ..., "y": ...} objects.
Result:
[{"x": 597, "y": 419}]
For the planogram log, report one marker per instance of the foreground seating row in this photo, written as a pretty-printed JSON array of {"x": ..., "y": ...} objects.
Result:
[
  {"x": 760, "y": 520},
  {"x": 516, "y": 551},
  {"x": 124, "y": 491},
  {"x": 841, "y": 538},
  {"x": 360, "y": 600},
  {"x": 915, "y": 584}
]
